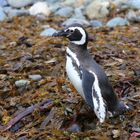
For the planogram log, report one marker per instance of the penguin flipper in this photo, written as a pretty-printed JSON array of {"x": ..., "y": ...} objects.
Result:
[{"x": 93, "y": 94}]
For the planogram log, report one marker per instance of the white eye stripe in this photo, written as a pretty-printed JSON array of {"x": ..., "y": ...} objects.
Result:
[{"x": 83, "y": 39}]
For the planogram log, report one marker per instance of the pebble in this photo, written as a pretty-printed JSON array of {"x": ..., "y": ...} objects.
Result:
[
  {"x": 133, "y": 16},
  {"x": 78, "y": 13},
  {"x": 21, "y": 83},
  {"x": 54, "y": 7},
  {"x": 53, "y": 1},
  {"x": 117, "y": 21},
  {"x": 20, "y": 3},
  {"x": 16, "y": 12},
  {"x": 2, "y": 14},
  {"x": 48, "y": 32},
  {"x": 133, "y": 4},
  {"x": 74, "y": 128},
  {"x": 35, "y": 77},
  {"x": 122, "y": 67},
  {"x": 2, "y": 47},
  {"x": 96, "y": 23},
  {"x": 73, "y": 3},
  {"x": 65, "y": 12},
  {"x": 3, "y": 3},
  {"x": 127, "y": 4},
  {"x": 137, "y": 72},
  {"x": 97, "y": 9},
  {"x": 75, "y": 20},
  {"x": 39, "y": 8}
]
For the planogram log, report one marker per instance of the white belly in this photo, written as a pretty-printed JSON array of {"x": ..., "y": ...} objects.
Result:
[{"x": 74, "y": 77}]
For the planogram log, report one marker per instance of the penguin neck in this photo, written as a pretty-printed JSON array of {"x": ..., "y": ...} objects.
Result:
[{"x": 78, "y": 49}]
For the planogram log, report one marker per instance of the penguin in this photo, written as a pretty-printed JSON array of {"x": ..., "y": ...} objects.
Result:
[{"x": 87, "y": 76}]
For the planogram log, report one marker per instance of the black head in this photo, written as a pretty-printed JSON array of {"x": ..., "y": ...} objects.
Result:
[{"x": 75, "y": 33}]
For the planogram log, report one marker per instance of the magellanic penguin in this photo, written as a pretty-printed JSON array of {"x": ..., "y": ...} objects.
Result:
[{"x": 87, "y": 76}]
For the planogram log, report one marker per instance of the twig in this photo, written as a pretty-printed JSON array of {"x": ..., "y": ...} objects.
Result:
[
  {"x": 48, "y": 118},
  {"x": 26, "y": 112}
]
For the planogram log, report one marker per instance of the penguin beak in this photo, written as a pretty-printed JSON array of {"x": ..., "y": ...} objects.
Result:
[{"x": 60, "y": 33}]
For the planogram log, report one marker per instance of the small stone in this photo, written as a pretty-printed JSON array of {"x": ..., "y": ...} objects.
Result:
[
  {"x": 97, "y": 9},
  {"x": 3, "y": 3},
  {"x": 65, "y": 12},
  {"x": 21, "y": 83},
  {"x": 39, "y": 8},
  {"x": 127, "y": 4},
  {"x": 96, "y": 23},
  {"x": 35, "y": 77},
  {"x": 75, "y": 20},
  {"x": 133, "y": 16},
  {"x": 2, "y": 14},
  {"x": 78, "y": 13},
  {"x": 16, "y": 12},
  {"x": 48, "y": 32},
  {"x": 20, "y": 3},
  {"x": 137, "y": 72},
  {"x": 74, "y": 3},
  {"x": 52, "y": 1},
  {"x": 74, "y": 128},
  {"x": 134, "y": 4},
  {"x": 2, "y": 47},
  {"x": 117, "y": 21},
  {"x": 54, "y": 7},
  {"x": 122, "y": 67}
]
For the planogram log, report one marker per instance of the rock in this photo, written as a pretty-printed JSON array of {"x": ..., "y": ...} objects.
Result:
[
  {"x": 97, "y": 9},
  {"x": 2, "y": 14},
  {"x": 39, "y": 8},
  {"x": 127, "y": 4},
  {"x": 78, "y": 13},
  {"x": 74, "y": 128},
  {"x": 35, "y": 77},
  {"x": 7, "y": 9},
  {"x": 117, "y": 21},
  {"x": 122, "y": 66},
  {"x": 16, "y": 12},
  {"x": 52, "y": 1},
  {"x": 2, "y": 47},
  {"x": 3, "y": 3},
  {"x": 48, "y": 32},
  {"x": 74, "y": 3},
  {"x": 75, "y": 20},
  {"x": 133, "y": 16},
  {"x": 20, "y": 3},
  {"x": 21, "y": 83},
  {"x": 54, "y": 7},
  {"x": 137, "y": 72},
  {"x": 96, "y": 23},
  {"x": 133, "y": 4},
  {"x": 65, "y": 12}
]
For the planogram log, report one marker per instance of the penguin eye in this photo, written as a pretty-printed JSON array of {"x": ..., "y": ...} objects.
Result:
[{"x": 71, "y": 31}]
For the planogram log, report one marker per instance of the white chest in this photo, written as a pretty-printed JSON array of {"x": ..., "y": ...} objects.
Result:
[
  {"x": 72, "y": 73},
  {"x": 74, "y": 76}
]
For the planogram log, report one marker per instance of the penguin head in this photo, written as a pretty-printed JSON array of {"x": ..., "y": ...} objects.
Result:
[{"x": 75, "y": 33}]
